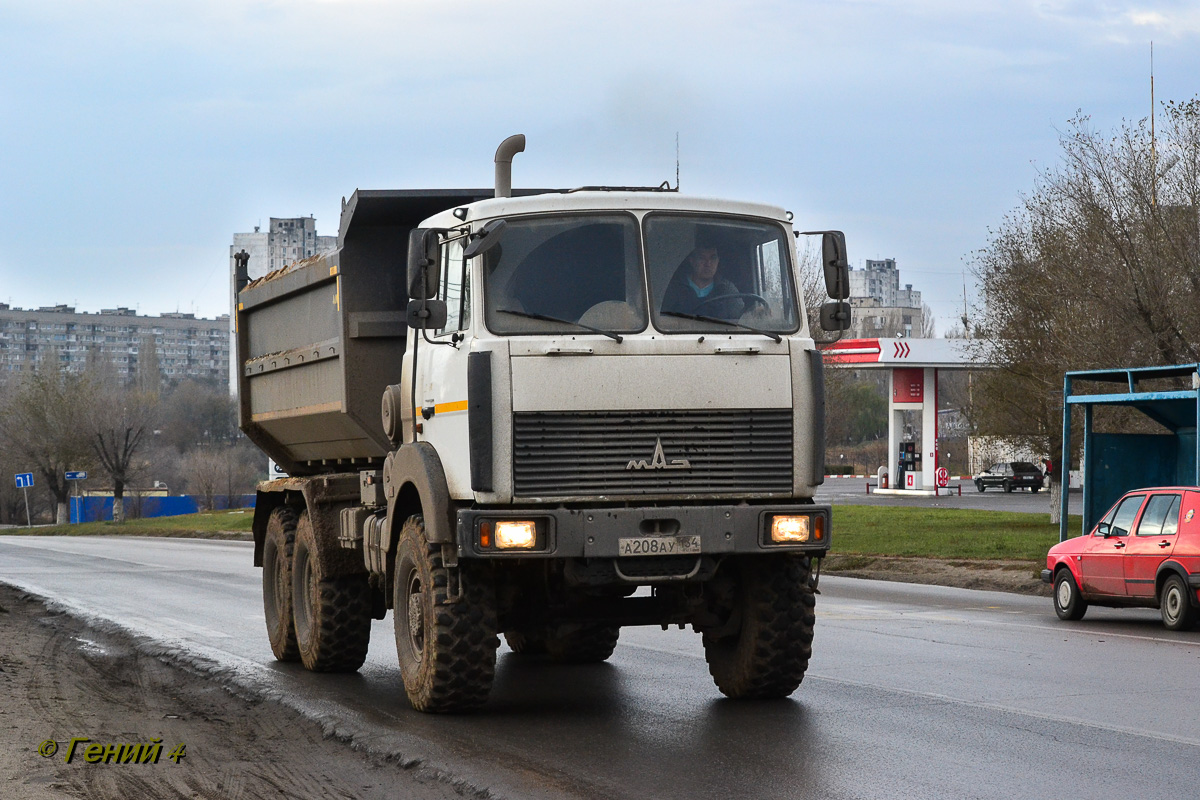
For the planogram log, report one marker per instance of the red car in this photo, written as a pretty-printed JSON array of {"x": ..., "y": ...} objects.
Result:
[{"x": 1145, "y": 552}]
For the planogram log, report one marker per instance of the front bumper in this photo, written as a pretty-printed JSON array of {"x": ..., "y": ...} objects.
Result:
[
  {"x": 596, "y": 532},
  {"x": 1047, "y": 576}
]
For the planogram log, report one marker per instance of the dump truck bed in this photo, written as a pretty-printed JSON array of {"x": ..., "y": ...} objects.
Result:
[{"x": 319, "y": 340}]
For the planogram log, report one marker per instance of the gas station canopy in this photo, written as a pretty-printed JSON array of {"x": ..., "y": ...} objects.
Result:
[{"x": 913, "y": 366}]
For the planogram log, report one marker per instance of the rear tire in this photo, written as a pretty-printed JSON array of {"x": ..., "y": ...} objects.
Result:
[
  {"x": 1175, "y": 605},
  {"x": 1008, "y": 487},
  {"x": 278, "y": 544},
  {"x": 332, "y": 614},
  {"x": 1068, "y": 603},
  {"x": 526, "y": 643},
  {"x": 768, "y": 656},
  {"x": 588, "y": 643},
  {"x": 447, "y": 650}
]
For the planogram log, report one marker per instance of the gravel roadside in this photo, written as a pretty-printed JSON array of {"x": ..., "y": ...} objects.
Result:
[
  {"x": 61, "y": 679},
  {"x": 1022, "y": 577}
]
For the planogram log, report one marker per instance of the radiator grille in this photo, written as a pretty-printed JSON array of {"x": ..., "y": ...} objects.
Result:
[{"x": 730, "y": 451}]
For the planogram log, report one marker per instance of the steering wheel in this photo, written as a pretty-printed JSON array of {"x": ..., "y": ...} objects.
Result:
[{"x": 739, "y": 295}]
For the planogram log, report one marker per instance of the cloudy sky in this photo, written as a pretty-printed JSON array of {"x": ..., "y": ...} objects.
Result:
[{"x": 137, "y": 137}]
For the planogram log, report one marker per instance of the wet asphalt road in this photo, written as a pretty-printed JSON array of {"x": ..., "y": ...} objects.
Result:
[{"x": 913, "y": 691}]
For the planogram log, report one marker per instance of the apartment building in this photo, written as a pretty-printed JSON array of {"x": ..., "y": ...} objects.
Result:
[{"x": 179, "y": 345}]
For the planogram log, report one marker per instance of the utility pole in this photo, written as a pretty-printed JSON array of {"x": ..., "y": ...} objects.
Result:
[{"x": 1153, "y": 151}]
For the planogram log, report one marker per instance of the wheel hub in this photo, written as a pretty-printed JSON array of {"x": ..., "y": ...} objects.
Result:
[
  {"x": 416, "y": 617},
  {"x": 1173, "y": 604},
  {"x": 1064, "y": 594}
]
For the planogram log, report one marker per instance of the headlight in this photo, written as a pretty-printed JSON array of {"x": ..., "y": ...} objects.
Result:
[
  {"x": 516, "y": 534},
  {"x": 797, "y": 528}
]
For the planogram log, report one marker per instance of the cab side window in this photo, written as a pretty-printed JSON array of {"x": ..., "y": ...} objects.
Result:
[
  {"x": 1126, "y": 514},
  {"x": 1171, "y": 523},
  {"x": 1156, "y": 514},
  {"x": 455, "y": 288}
]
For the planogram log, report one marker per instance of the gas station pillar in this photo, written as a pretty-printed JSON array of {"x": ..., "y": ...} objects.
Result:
[{"x": 912, "y": 465}]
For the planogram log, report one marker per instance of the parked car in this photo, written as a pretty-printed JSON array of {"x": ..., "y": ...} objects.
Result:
[
  {"x": 1145, "y": 552},
  {"x": 1009, "y": 475}
]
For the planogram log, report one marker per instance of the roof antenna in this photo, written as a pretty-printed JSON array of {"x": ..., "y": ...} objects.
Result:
[{"x": 677, "y": 161}]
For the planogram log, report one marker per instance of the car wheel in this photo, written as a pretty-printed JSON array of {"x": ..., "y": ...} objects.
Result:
[
  {"x": 1008, "y": 487},
  {"x": 1175, "y": 604},
  {"x": 979, "y": 484},
  {"x": 1035, "y": 489},
  {"x": 1068, "y": 603}
]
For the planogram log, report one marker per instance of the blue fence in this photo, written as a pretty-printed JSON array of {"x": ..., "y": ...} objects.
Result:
[{"x": 99, "y": 509}]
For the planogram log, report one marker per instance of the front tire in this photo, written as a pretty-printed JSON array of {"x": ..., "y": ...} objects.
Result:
[
  {"x": 776, "y": 607},
  {"x": 1175, "y": 605},
  {"x": 1068, "y": 603},
  {"x": 332, "y": 613},
  {"x": 979, "y": 485},
  {"x": 446, "y": 645},
  {"x": 278, "y": 545}
]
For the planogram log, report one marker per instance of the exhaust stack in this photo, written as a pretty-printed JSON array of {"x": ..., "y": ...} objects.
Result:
[{"x": 504, "y": 156}]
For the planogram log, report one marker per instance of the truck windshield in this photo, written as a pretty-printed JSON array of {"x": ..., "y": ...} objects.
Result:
[
  {"x": 561, "y": 274},
  {"x": 723, "y": 268}
]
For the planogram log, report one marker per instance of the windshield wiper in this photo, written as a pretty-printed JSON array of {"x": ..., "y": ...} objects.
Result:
[
  {"x": 719, "y": 321},
  {"x": 616, "y": 337}
]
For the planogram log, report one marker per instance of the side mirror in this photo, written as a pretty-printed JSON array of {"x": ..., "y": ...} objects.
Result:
[
  {"x": 427, "y": 314},
  {"x": 837, "y": 267},
  {"x": 835, "y": 316},
  {"x": 486, "y": 238},
  {"x": 834, "y": 264},
  {"x": 423, "y": 273},
  {"x": 1104, "y": 529}
]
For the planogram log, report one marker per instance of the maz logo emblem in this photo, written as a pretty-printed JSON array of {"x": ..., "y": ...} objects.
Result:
[{"x": 659, "y": 460}]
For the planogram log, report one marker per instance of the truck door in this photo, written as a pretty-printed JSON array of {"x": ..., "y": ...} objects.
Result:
[
  {"x": 1151, "y": 544},
  {"x": 441, "y": 378}
]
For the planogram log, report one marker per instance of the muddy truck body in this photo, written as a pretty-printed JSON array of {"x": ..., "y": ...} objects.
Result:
[{"x": 525, "y": 416}]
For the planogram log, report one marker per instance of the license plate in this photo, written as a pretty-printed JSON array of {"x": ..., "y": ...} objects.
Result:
[{"x": 658, "y": 546}]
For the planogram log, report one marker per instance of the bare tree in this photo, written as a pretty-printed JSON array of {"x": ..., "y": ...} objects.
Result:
[
  {"x": 928, "y": 322},
  {"x": 812, "y": 281},
  {"x": 44, "y": 427},
  {"x": 205, "y": 471},
  {"x": 1099, "y": 267},
  {"x": 121, "y": 421}
]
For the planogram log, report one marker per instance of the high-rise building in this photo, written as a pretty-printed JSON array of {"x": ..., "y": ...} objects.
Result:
[
  {"x": 881, "y": 307},
  {"x": 177, "y": 345},
  {"x": 285, "y": 241}
]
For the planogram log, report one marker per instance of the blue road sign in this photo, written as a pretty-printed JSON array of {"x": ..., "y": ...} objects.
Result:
[
  {"x": 24, "y": 480},
  {"x": 76, "y": 476}
]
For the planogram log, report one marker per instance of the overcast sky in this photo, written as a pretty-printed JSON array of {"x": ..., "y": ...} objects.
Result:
[{"x": 137, "y": 137}]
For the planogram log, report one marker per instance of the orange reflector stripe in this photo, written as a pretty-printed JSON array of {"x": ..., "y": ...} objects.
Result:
[{"x": 446, "y": 408}]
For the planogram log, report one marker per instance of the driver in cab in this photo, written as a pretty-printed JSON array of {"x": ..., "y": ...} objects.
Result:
[{"x": 696, "y": 289}]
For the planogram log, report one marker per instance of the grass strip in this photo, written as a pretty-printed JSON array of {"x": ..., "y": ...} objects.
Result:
[
  {"x": 205, "y": 525},
  {"x": 944, "y": 533}
]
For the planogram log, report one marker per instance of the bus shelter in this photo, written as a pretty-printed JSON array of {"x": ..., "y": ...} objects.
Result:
[{"x": 1115, "y": 463}]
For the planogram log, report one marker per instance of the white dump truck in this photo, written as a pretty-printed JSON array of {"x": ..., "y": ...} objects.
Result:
[{"x": 542, "y": 414}]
